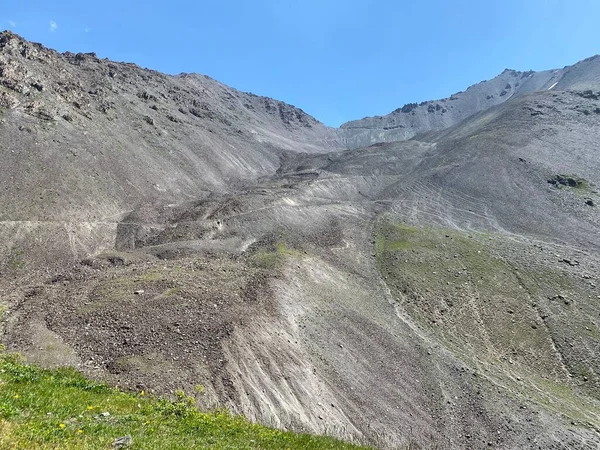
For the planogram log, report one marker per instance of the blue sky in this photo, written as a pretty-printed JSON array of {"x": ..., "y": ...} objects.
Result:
[{"x": 337, "y": 60}]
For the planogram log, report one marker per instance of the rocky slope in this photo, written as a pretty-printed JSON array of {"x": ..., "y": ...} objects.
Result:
[
  {"x": 413, "y": 119},
  {"x": 84, "y": 140},
  {"x": 440, "y": 292}
]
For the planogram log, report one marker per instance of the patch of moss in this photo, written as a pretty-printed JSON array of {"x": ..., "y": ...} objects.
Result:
[
  {"x": 400, "y": 236},
  {"x": 16, "y": 259},
  {"x": 148, "y": 364},
  {"x": 171, "y": 292},
  {"x": 115, "y": 290},
  {"x": 151, "y": 275},
  {"x": 273, "y": 257}
]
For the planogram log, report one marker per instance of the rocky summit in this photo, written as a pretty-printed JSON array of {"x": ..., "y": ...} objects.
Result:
[{"x": 425, "y": 279}]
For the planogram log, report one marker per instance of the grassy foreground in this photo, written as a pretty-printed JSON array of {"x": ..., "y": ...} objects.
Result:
[{"x": 60, "y": 409}]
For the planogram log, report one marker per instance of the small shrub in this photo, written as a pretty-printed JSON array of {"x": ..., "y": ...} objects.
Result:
[{"x": 572, "y": 181}]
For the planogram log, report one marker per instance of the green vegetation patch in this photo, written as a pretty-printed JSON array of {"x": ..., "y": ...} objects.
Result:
[
  {"x": 494, "y": 308},
  {"x": 61, "y": 409},
  {"x": 477, "y": 302},
  {"x": 274, "y": 256},
  {"x": 569, "y": 181},
  {"x": 397, "y": 237},
  {"x": 563, "y": 399},
  {"x": 16, "y": 259}
]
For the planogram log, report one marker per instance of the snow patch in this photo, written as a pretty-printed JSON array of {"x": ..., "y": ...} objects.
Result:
[{"x": 553, "y": 85}]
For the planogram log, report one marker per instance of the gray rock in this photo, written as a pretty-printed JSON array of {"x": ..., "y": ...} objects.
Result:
[{"x": 122, "y": 442}]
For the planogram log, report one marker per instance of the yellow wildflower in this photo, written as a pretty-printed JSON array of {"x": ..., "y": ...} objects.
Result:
[
  {"x": 80, "y": 431},
  {"x": 61, "y": 426}
]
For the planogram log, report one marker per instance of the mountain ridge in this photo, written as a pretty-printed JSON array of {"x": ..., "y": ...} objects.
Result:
[
  {"x": 401, "y": 124},
  {"x": 413, "y": 119}
]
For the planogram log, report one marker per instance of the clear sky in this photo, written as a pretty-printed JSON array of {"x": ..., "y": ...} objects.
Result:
[{"x": 337, "y": 59}]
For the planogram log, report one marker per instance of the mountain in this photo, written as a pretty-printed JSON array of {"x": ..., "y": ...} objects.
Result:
[
  {"x": 413, "y": 119},
  {"x": 436, "y": 292},
  {"x": 86, "y": 139}
]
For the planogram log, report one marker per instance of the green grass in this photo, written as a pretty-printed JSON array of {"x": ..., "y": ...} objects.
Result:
[{"x": 61, "y": 409}]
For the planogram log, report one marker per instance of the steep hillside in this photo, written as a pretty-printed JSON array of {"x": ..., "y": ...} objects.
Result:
[
  {"x": 413, "y": 119},
  {"x": 84, "y": 140},
  {"x": 439, "y": 292},
  {"x": 91, "y": 126}
]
